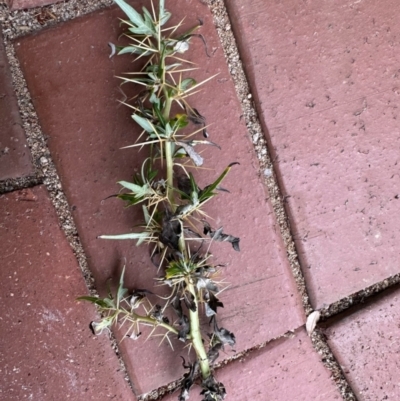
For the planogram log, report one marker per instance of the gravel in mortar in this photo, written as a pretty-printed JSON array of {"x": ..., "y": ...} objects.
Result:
[{"x": 23, "y": 22}]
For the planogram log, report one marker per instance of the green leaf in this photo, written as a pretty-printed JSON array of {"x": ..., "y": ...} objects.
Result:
[
  {"x": 187, "y": 83},
  {"x": 159, "y": 114},
  {"x": 148, "y": 20},
  {"x": 164, "y": 14},
  {"x": 137, "y": 189},
  {"x": 143, "y": 30},
  {"x": 131, "y": 199},
  {"x": 144, "y": 123},
  {"x": 207, "y": 192},
  {"x": 134, "y": 50},
  {"x": 130, "y": 12},
  {"x": 94, "y": 300}
]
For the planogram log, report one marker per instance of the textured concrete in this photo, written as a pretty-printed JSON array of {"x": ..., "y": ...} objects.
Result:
[
  {"x": 367, "y": 344},
  {"x": 20, "y": 4},
  {"x": 326, "y": 80},
  {"x": 47, "y": 351},
  {"x": 285, "y": 370},
  {"x": 15, "y": 160},
  {"x": 75, "y": 94}
]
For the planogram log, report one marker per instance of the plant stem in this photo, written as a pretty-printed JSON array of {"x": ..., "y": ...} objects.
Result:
[
  {"x": 168, "y": 154},
  {"x": 196, "y": 336}
]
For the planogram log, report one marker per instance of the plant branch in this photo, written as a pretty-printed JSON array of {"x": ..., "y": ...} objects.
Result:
[{"x": 196, "y": 336}]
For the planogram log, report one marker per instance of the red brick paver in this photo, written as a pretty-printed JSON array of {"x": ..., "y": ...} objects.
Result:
[
  {"x": 285, "y": 370},
  {"x": 367, "y": 345},
  {"x": 15, "y": 159},
  {"x": 325, "y": 77},
  {"x": 71, "y": 81},
  {"x": 47, "y": 351}
]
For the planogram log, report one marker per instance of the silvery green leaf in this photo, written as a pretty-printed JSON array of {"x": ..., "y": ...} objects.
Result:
[
  {"x": 164, "y": 14},
  {"x": 131, "y": 50},
  {"x": 165, "y": 18},
  {"x": 142, "y": 30},
  {"x": 144, "y": 123},
  {"x": 137, "y": 189},
  {"x": 130, "y": 12}
]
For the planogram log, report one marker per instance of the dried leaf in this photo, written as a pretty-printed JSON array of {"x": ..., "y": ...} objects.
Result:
[
  {"x": 113, "y": 49},
  {"x": 183, "y": 319},
  {"x": 212, "y": 305},
  {"x": 212, "y": 389},
  {"x": 134, "y": 336},
  {"x": 312, "y": 321},
  {"x": 171, "y": 231},
  {"x": 188, "y": 379},
  {"x": 188, "y": 299},
  {"x": 224, "y": 335},
  {"x": 218, "y": 235},
  {"x": 213, "y": 352},
  {"x": 197, "y": 159}
]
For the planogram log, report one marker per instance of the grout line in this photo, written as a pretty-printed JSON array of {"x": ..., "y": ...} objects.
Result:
[
  {"x": 16, "y": 184},
  {"x": 243, "y": 90}
]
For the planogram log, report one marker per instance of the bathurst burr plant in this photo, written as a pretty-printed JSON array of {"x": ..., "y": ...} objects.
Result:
[{"x": 174, "y": 224}]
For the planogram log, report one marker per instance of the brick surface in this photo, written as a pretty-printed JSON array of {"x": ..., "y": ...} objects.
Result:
[
  {"x": 15, "y": 160},
  {"x": 20, "y": 4},
  {"x": 325, "y": 78},
  {"x": 366, "y": 343},
  {"x": 71, "y": 80},
  {"x": 285, "y": 370},
  {"x": 47, "y": 351}
]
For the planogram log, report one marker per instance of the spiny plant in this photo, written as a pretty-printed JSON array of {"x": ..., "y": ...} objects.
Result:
[{"x": 174, "y": 221}]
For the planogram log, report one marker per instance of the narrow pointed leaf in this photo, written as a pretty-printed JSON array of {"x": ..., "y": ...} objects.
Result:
[{"x": 208, "y": 191}]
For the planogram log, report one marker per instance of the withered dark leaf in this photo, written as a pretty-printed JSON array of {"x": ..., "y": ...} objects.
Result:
[
  {"x": 171, "y": 231},
  {"x": 184, "y": 185},
  {"x": 212, "y": 389},
  {"x": 188, "y": 299},
  {"x": 218, "y": 235},
  {"x": 157, "y": 313},
  {"x": 177, "y": 307},
  {"x": 137, "y": 296},
  {"x": 195, "y": 117},
  {"x": 188, "y": 379},
  {"x": 213, "y": 352},
  {"x": 212, "y": 305},
  {"x": 185, "y": 328},
  {"x": 224, "y": 335},
  {"x": 134, "y": 336},
  {"x": 183, "y": 319}
]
